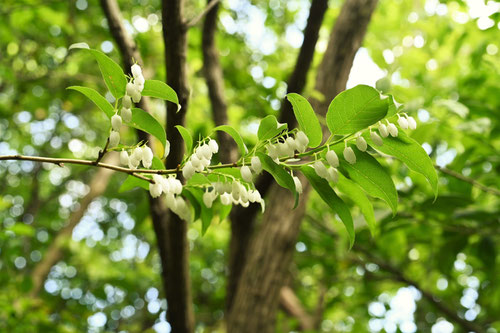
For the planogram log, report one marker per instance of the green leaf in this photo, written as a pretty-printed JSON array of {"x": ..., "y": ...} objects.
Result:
[
  {"x": 332, "y": 200},
  {"x": 158, "y": 164},
  {"x": 357, "y": 195},
  {"x": 269, "y": 128},
  {"x": 22, "y": 229},
  {"x": 306, "y": 118},
  {"x": 355, "y": 109},
  {"x": 159, "y": 89},
  {"x": 132, "y": 182},
  {"x": 235, "y": 135},
  {"x": 282, "y": 177},
  {"x": 194, "y": 202},
  {"x": 188, "y": 140},
  {"x": 215, "y": 175},
  {"x": 198, "y": 179},
  {"x": 147, "y": 123},
  {"x": 111, "y": 72},
  {"x": 392, "y": 106},
  {"x": 411, "y": 153},
  {"x": 371, "y": 176},
  {"x": 206, "y": 214},
  {"x": 98, "y": 100}
]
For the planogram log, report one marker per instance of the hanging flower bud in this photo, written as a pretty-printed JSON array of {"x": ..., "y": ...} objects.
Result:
[
  {"x": 139, "y": 83},
  {"x": 361, "y": 143},
  {"x": 126, "y": 115},
  {"x": 303, "y": 140},
  {"x": 196, "y": 162},
  {"x": 246, "y": 173},
  {"x": 165, "y": 184},
  {"x": 127, "y": 102},
  {"x": 292, "y": 145},
  {"x": 136, "y": 71},
  {"x": 124, "y": 160},
  {"x": 225, "y": 199},
  {"x": 412, "y": 124},
  {"x": 116, "y": 122},
  {"x": 171, "y": 201},
  {"x": 332, "y": 158},
  {"x": 214, "y": 147},
  {"x": 175, "y": 185},
  {"x": 393, "y": 130},
  {"x": 272, "y": 151},
  {"x": 147, "y": 156},
  {"x": 131, "y": 89},
  {"x": 283, "y": 149},
  {"x": 403, "y": 123},
  {"x": 256, "y": 164},
  {"x": 188, "y": 170},
  {"x": 155, "y": 190},
  {"x": 320, "y": 169},
  {"x": 383, "y": 130},
  {"x": 208, "y": 199},
  {"x": 206, "y": 151},
  {"x": 333, "y": 175},
  {"x": 114, "y": 139},
  {"x": 349, "y": 155},
  {"x": 298, "y": 184},
  {"x": 376, "y": 139},
  {"x": 136, "y": 96}
]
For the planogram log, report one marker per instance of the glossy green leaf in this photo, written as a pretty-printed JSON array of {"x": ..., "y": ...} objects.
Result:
[
  {"x": 371, "y": 176},
  {"x": 206, "y": 214},
  {"x": 147, "y": 123},
  {"x": 306, "y": 118},
  {"x": 158, "y": 164},
  {"x": 353, "y": 191},
  {"x": 111, "y": 72},
  {"x": 411, "y": 153},
  {"x": 332, "y": 200},
  {"x": 159, "y": 89},
  {"x": 188, "y": 139},
  {"x": 235, "y": 135},
  {"x": 356, "y": 109},
  {"x": 198, "y": 179},
  {"x": 269, "y": 128},
  {"x": 282, "y": 177},
  {"x": 133, "y": 182},
  {"x": 98, "y": 100}
]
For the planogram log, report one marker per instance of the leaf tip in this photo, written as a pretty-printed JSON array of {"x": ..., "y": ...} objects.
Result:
[{"x": 81, "y": 45}]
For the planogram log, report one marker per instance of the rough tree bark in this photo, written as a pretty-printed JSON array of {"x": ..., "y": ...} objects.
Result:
[
  {"x": 271, "y": 250},
  {"x": 243, "y": 219}
]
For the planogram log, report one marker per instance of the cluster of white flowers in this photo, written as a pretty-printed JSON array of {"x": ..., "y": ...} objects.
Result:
[
  {"x": 405, "y": 122},
  {"x": 200, "y": 159},
  {"x": 133, "y": 93},
  {"x": 288, "y": 147},
  {"x": 232, "y": 193},
  {"x": 172, "y": 188},
  {"x": 329, "y": 173},
  {"x": 140, "y": 154}
]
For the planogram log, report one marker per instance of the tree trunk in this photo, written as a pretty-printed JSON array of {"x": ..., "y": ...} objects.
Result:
[{"x": 256, "y": 299}]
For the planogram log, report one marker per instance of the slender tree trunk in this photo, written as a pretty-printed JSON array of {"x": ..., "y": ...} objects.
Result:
[{"x": 256, "y": 299}]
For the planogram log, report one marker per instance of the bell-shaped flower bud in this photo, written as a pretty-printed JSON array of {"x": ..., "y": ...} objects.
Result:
[
  {"x": 116, "y": 122},
  {"x": 283, "y": 149},
  {"x": 124, "y": 160},
  {"x": 155, "y": 190},
  {"x": 136, "y": 70},
  {"x": 171, "y": 201},
  {"x": 332, "y": 158},
  {"x": 292, "y": 145},
  {"x": 126, "y": 115},
  {"x": 393, "y": 130},
  {"x": 302, "y": 139},
  {"x": 206, "y": 151},
  {"x": 147, "y": 156},
  {"x": 320, "y": 169},
  {"x": 214, "y": 146},
  {"x": 226, "y": 199},
  {"x": 175, "y": 185},
  {"x": 384, "y": 132},
  {"x": 246, "y": 174},
  {"x": 188, "y": 170},
  {"x": 333, "y": 175},
  {"x": 208, "y": 199},
  {"x": 127, "y": 102},
  {"x": 403, "y": 122},
  {"x": 412, "y": 124},
  {"x": 139, "y": 84},
  {"x": 349, "y": 155},
  {"x": 136, "y": 96},
  {"x": 272, "y": 151},
  {"x": 298, "y": 184},
  {"x": 256, "y": 164},
  {"x": 361, "y": 143},
  {"x": 114, "y": 139},
  {"x": 196, "y": 162},
  {"x": 131, "y": 89},
  {"x": 376, "y": 139},
  {"x": 165, "y": 184}
]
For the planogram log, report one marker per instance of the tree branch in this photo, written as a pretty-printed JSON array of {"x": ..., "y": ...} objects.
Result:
[
  {"x": 469, "y": 180},
  {"x": 211, "y": 4}
]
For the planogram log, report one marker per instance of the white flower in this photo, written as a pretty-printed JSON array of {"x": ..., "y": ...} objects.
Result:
[
  {"x": 272, "y": 151},
  {"x": 225, "y": 199},
  {"x": 349, "y": 155},
  {"x": 254, "y": 196},
  {"x": 127, "y": 102},
  {"x": 393, "y": 130},
  {"x": 195, "y": 161},
  {"x": 208, "y": 198},
  {"x": 188, "y": 170},
  {"x": 214, "y": 147},
  {"x": 136, "y": 71},
  {"x": 175, "y": 185},
  {"x": 246, "y": 173},
  {"x": 136, "y": 96},
  {"x": 114, "y": 139},
  {"x": 320, "y": 169},
  {"x": 412, "y": 124},
  {"x": 124, "y": 160},
  {"x": 147, "y": 156},
  {"x": 383, "y": 130},
  {"x": 303, "y": 140},
  {"x": 171, "y": 201},
  {"x": 126, "y": 115},
  {"x": 332, "y": 158},
  {"x": 139, "y": 83},
  {"x": 206, "y": 152},
  {"x": 116, "y": 122},
  {"x": 165, "y": 184},
  {"x": 284, "y": 149},
  {"x": 403, "y": 122},
  {"x": 256, "y": 164},
  {"x": 361, "y": 143},
  {"x": 333, "y": 175},
  {"x": 376, "y": 139},
  {"x": 298, "y": 184},
  {"x": 131, "y": 89},
  {"x": 292, "y": 145},
  {"x": 155, "y": 190}
]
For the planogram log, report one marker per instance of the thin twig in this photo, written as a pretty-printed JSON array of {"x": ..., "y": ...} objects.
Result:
[
  {"x": 466, "y": 179},
  {"x": 194, "y": 21},
  {"x": 102, "y": 152}
]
